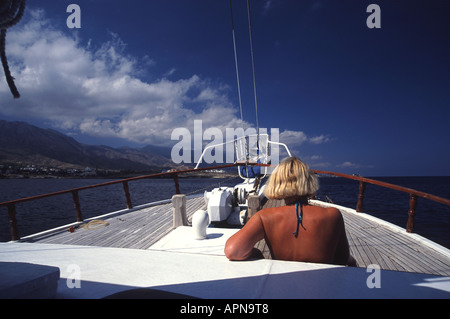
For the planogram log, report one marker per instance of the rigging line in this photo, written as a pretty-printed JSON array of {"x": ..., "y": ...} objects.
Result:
[
  {"x": 237, "y": 74},
  {"x": 253, "y": 68},
  {"x": 236, "y": 61}
]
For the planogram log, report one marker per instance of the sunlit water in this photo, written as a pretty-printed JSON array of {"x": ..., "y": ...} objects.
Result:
[{"x": 432, "y": 219}]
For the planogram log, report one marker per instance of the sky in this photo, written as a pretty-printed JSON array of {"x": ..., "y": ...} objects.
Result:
[{"x": 344, "y": 97}]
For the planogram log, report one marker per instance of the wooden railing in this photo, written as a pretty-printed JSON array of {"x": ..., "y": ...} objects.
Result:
[
  {"x": 414, "y": 194},
  {"x": 76, "y": 200}
]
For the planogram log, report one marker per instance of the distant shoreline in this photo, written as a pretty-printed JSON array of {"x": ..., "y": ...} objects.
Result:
[{"x": 118, "y": 176}]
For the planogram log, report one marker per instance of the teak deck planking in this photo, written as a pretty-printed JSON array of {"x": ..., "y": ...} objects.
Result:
[{"x": 370, "y": 242}]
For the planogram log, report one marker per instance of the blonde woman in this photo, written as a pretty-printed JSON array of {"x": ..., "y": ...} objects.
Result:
[{"x": 297, "y": 231}]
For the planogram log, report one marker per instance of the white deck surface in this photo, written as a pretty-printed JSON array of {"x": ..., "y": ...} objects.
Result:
[
  {"x": 371, "y": 240},
  {"x": 182, "y": 240},
  {"x": 203, "y": 271}
]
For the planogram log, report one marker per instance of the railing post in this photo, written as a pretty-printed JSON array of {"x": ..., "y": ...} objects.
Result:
[
  {"x": 76, "y": 201},
  {"x": 253, "y": 205},
  {"x": 359, "y": 204},
  {"x": 127, "y": 194},
  {"x": 13, "y": 222},
  {"x": 179, "y": 210},
  {"x": 411, "y": 213},
  {"x": 177, "y": 185}
]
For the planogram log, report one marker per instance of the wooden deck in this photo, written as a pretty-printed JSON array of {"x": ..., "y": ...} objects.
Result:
[
  {"x": 138, "y": 229},
  {"x": 373, "y": 243},
  {"x": 370, "y": 242}
]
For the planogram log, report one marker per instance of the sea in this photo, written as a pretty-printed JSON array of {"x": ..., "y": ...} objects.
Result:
[{"x": 432, "y": 219}]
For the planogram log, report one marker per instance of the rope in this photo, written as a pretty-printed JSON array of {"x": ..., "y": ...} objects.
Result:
[
  {"x": 11, "y": 11},
  {"x": 93, "y": 224}
]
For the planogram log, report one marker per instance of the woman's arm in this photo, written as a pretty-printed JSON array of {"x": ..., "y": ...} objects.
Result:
[{"x": 240, "y": 245}]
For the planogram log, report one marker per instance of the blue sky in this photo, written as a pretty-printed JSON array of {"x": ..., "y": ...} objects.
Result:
[{"x": 344, "y": 97}]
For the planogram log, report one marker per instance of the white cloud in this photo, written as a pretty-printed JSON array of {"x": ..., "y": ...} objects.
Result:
[
  {"x": 267, "y": 6},
  {"x": 354, "y": 165},
  {"x": 349, "y": 165},
  {"x": 319, "y": 139},
  {"x": 293, "y": 137},
  {"x": 297, "y": 138},
  {"x": 170, "y": 72},
  {"x": 316, "y": 161},
  {"x": 97, "y": 89}
]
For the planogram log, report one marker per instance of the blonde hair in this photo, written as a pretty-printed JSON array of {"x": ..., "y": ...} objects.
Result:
[{"x": 291, "y": 178}]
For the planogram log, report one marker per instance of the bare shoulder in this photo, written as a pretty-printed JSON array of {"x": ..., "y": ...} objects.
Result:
[
  {"x": 270, "y": 211},
  {"x": 272, "y": 216},
  {"x": 333, "y": 211},
  {"x": 335, "y": 215},
  {"x": 330, "y": 213}
]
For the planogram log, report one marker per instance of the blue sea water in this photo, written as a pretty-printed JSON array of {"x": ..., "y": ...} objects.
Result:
[{"x": 432, "y": 219}]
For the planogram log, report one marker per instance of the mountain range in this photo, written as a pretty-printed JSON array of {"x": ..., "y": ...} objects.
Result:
[{"x": 23, "y": 143}]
